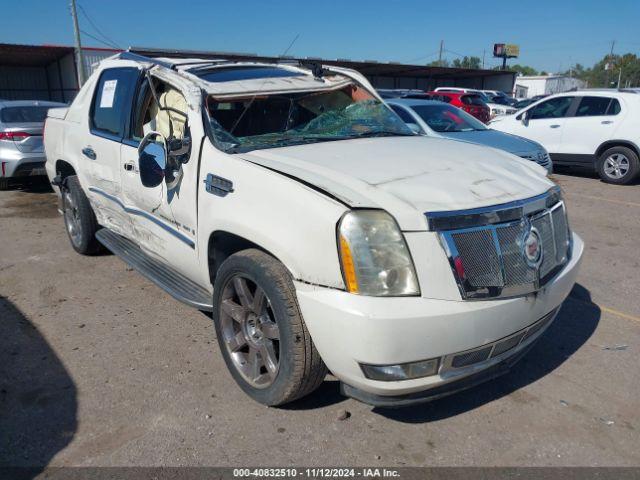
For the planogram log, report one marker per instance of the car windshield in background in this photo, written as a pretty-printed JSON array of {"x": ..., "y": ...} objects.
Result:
[
  {"x": 472, "y": 100},
  {"x": 445, "y": 118},
  {"x": 500, "y": 100},
  {"x": 269, "y": 121},
  {"x": 25, "y": 114}
]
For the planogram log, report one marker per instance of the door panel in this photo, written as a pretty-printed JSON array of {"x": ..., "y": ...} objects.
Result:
[
  {"x": 546, "y": 121},
  {"x": 595, "y": 121},
  {"x": 99, "y": 149},
  {"x": 164, "y": 219}
]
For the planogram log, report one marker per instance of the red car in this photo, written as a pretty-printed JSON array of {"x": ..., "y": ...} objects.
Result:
[{"x": 469, "y": 102}]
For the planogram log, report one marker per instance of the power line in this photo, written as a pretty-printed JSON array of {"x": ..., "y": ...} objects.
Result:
[
  {"x": 100, "y": 41},
  {"x": 422, "y": 57},
  {"x": 106, "y": 40}
]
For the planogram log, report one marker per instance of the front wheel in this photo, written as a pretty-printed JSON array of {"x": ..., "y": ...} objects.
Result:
[
  {"x": 261, "y": 332},
  {"x": 618, "y": 165}
]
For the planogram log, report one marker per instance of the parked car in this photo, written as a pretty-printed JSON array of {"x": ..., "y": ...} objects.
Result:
[
  {"x": 596, "y": 129},
  {"x": 437, "y": 119},
  {"x": 495, "y": 109},
  {"x": 469, "y": 102},
  {"x": 21, "y": 153},
  {"x": 500, "y": 98},
  {"x": 320, "y": 231},
  {"x": 522, "y": 103},
  {"x": 525, "y": 102}
]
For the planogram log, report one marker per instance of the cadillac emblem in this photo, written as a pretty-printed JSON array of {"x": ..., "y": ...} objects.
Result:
[{"x": 532, "y": 248}]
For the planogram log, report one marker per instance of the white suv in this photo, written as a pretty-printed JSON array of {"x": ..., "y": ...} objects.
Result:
[
  {"x": 292, "y": 203},
  {"x": 597, "y": 129}
]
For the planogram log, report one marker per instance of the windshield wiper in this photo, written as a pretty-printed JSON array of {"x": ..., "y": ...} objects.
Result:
[
  {"x": 382, "y": 133},
  {"x": 283, "y": 142}
]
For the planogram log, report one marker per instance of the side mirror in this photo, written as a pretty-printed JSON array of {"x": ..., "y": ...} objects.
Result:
[
  {"x": 415, "y": 128},
  {"x": 152, "y": 159},
  {"x": 525, "y": 118}
]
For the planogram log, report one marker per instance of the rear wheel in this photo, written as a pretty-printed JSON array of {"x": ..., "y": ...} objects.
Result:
[
  {"x": 260, "y": 330},
  {"x": 79, "y": 218},
  {"x": 618, "y": 165}
]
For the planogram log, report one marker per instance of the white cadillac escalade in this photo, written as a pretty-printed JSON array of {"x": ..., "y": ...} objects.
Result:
[{"x": 323, "y": 234}]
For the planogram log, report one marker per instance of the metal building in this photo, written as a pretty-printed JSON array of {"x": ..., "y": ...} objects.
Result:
[
  {"x": 43, "y": 72},
  {"x": 527, "y": 87}
]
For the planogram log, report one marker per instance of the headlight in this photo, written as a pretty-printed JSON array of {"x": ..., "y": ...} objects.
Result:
[{"x": 374, "y": 256}]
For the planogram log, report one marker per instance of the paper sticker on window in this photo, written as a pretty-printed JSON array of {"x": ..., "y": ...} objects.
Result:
[{"x": 108, "y": 92}]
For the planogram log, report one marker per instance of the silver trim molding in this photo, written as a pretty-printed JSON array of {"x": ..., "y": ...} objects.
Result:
[{"x": 141, "y": 213}]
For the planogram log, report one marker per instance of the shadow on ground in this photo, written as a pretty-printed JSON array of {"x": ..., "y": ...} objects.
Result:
[
  {"x": 37, "y": 395},
  {"x": 32, "y": 185},
  {"x": 571, "y": 329}
]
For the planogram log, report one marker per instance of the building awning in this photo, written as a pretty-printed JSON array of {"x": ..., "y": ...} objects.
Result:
[{"x": 31, "y": 55}]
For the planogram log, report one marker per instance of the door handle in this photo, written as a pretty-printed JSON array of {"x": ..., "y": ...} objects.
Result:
[
  {"x": 555, "y": 126},
  {"x": 89, "y": 153},
  {"x": 606, "y": 122},
  {"x": 129, "y": 167}
]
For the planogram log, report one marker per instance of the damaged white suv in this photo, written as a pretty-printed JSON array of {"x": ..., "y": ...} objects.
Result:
[{"x": 320, "y": 231}]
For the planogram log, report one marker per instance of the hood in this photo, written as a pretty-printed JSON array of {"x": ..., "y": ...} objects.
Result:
[
  {"x": 493, "y": 138},
  {"x": 408, "y": 176}
]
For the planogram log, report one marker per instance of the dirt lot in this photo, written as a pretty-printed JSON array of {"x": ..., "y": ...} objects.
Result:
[{"x": 100, "y": 367}]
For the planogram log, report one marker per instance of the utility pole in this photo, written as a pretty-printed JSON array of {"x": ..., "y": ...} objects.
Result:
[
  {"x": 483, "y": 54},
  {"x": 620, "y": 76},
  {"x": 610, "y": 59},
  {"x": 76, "y": 30},
  {"x": 440, "y": 55}
]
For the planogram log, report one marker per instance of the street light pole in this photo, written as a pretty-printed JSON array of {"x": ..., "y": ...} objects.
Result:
[{"x": 79, "y": 59}]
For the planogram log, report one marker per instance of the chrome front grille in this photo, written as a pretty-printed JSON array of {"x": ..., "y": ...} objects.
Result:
[
  {"x": 493, "y": 259},
  {"x": 482, "y": 260}
]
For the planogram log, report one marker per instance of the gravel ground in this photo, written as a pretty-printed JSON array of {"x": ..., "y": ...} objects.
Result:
[{"x": 98, "y": 367}]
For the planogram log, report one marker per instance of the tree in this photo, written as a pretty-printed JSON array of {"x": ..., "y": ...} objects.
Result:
[
  {"x": 438, "y": 63},
  {"x": 468, "y": 62},
  {"x": 523, "y": 69},
  {"x": 605, "y": 73}
]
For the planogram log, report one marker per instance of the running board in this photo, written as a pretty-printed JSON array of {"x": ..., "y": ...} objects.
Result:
[{"x": 172, "y": 282}]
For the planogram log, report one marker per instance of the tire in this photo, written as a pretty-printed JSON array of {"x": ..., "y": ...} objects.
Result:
[
  {"x": 4, "y": 184},
  {"x": 618, "y": 165},
  {"x": 293, "y": 367},
  {"x": 79, "y": 218}
]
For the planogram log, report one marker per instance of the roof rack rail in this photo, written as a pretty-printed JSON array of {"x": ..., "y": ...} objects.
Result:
[{"x": 128, "y": 55}]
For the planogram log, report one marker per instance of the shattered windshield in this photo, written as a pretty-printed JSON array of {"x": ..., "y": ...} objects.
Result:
[{"x": 269, "y": 121}]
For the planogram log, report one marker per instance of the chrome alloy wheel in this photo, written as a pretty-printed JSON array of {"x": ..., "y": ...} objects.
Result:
[
  {"x": 250, "y": 332},
  {"x": 72, "y": 218},
  {"x": 616, "y": 166}
]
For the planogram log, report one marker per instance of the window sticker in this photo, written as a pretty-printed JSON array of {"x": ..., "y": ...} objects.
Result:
[{"x": 108, "y": 92}]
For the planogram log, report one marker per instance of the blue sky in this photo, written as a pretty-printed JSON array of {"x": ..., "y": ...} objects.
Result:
[{"x": 551, "y": 34}]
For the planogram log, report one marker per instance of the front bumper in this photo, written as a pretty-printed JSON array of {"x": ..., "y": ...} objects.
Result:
[
  {"x": 349, "y": 330},
  {"x": 434, "y": 393}
]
